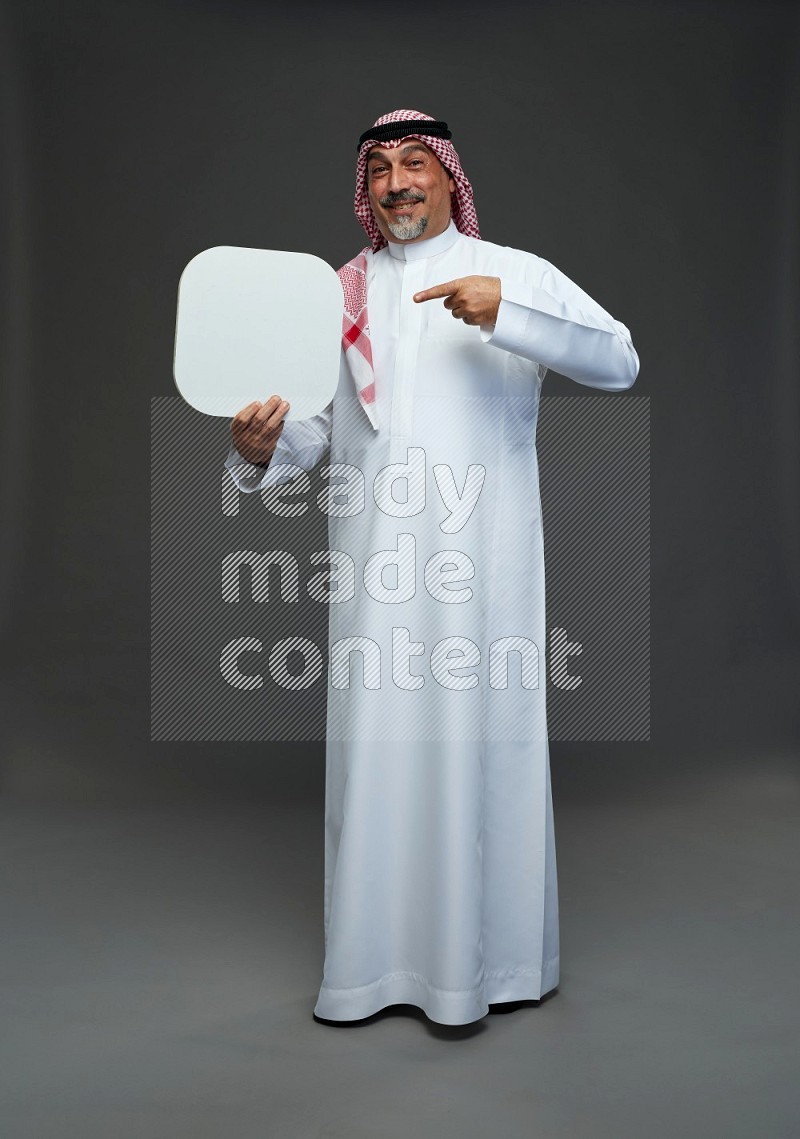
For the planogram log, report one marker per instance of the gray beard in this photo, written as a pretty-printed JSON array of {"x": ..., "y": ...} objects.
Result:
[{"x": 406, "y": 229}]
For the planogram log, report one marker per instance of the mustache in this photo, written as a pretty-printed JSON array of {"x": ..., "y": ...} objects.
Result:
[{"x": 393, "y": 199}]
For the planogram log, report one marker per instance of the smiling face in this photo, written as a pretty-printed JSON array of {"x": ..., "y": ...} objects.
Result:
[{"x": 409, "y": 191}]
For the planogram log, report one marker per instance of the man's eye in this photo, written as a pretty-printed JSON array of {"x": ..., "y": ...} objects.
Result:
[{"x": 415, "y": 162}]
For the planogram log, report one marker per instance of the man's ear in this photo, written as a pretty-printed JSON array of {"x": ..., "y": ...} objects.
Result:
[{"x": 452, "y": 184}]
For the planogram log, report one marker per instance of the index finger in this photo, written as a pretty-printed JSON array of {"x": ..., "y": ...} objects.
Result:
[{"x": 438, "y": 291}]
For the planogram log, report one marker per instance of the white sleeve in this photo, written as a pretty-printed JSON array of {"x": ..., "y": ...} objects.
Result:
[
  {"x": 302, "y": 443},
  {"x": 557, "y": 325}
]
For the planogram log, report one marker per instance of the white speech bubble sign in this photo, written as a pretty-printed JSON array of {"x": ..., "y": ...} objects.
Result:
[{"x": 256, "y": 322}]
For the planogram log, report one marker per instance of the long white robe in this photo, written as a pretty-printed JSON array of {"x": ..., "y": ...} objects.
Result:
[{"x": 440, "y": 871}]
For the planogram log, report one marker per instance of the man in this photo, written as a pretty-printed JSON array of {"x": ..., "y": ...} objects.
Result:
[{"x": 440, "y": 877}]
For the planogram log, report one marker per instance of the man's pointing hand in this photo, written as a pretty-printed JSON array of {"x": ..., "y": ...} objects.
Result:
[{"x": 475, "y": 300}]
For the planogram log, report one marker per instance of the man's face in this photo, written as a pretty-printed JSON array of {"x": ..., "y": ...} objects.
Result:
[{"x": 409, "y": 191}]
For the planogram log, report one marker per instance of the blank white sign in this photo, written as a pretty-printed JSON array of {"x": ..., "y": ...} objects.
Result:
[{"x": 257, "y": 322}]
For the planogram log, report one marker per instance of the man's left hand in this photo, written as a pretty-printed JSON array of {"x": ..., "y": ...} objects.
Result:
[{"x": 475, "y": 300}]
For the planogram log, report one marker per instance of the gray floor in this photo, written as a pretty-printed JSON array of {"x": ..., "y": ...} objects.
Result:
[{"x": 160, "y": 966}]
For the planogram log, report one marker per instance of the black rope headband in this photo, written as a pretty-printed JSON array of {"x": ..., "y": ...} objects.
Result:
[{"x": 390, "y": 131}]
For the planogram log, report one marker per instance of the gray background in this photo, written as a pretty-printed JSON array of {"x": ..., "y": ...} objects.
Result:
[{"x": 164, "y": 901}]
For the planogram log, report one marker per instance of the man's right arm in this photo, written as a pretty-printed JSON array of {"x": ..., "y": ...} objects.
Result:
[{"x": 301, "y": 443}]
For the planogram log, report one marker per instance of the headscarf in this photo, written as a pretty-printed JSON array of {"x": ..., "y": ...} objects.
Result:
[
  {"x": 462, "y": 204},
  {"x": 353, "y": 275}
]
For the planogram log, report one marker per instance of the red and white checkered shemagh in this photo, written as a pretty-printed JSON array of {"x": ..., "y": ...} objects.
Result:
[{"x": 353, "y": 275}]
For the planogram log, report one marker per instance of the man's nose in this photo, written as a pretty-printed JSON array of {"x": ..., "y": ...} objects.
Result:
[{"x": 398, "y": 179}]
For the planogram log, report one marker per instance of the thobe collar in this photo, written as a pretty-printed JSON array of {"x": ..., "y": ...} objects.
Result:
[{"x": 415, "y": 250}]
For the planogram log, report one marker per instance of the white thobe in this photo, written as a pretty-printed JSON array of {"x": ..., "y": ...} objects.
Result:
[{"x": 440, "y": 871}]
